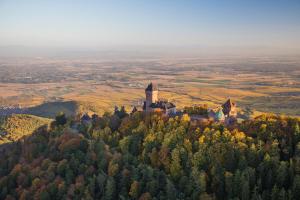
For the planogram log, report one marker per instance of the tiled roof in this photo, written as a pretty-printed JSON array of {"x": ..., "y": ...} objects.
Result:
[
  {"x": 134, "y": 110},
  {"x": 219, "y": 114},
  {"x": 85, "y": 117},
  {"x": 162, "y": 105}
]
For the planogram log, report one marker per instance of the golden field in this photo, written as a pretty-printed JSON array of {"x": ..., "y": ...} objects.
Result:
[{"x": 256, "y": 84}]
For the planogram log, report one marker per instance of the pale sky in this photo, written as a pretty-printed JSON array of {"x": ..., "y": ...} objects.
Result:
[{"x": 105, "y": 23}]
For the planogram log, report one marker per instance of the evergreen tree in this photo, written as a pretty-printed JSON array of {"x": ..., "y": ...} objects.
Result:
[
  {"x": 296, "y": 187},
  {"x": 60, "y": 119},
  {"x": 110, "y": 189}
]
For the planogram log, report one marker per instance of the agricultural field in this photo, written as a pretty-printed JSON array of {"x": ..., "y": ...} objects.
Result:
[{"x": 46, "y": 86}]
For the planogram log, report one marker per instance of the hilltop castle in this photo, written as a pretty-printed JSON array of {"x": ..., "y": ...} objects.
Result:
[
  {"x": 225, "y": 113},
  {"x": 153, "y": 104}
]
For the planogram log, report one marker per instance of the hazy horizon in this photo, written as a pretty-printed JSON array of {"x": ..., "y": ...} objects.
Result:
[{"x": 137, "y": 52}]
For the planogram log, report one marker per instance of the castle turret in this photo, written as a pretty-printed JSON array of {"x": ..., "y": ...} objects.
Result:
[
  {"x": 151, "y": 95},
  {"x": 229, "y": 108}
]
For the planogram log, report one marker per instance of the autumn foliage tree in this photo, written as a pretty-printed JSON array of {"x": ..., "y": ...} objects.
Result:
[{"x": 139, "y": 156}]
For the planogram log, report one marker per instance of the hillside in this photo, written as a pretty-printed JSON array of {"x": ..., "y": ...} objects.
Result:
[
  {"x": 70, "y": 108},
  {"x": 142, "y": 156},
  {"x": 50, "y": 109},
  {"x": 14, "y": 127}
]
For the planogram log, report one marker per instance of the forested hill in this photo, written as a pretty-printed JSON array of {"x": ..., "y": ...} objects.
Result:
[
  {"x": 14, "y": 127},
  {"x": 121, "y": 156}
]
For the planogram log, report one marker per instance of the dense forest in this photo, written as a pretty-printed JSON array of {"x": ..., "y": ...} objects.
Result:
[{"x": 151, "y": 156}]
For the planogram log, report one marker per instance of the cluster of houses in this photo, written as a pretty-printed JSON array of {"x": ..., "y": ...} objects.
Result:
[{"x": 226, "y": 113}]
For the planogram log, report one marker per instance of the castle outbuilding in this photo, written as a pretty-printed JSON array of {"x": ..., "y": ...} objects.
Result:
[
  {"x": 153, "y": 104},
  {"x": 216, "y": 114},
  {"x": 226, "y": 113}
]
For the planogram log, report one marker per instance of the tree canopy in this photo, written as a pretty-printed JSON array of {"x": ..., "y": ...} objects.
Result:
[{"x": 142, "y": 156}]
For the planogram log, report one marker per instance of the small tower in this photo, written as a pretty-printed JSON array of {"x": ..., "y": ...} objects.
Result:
[
  {"x": 229, "y": 108},
  {"x": 151, "y": 95},
  {"x": 134, "y": 110}
]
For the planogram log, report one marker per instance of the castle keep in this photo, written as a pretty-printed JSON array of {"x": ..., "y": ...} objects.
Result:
[{"x": 153, "y": 104}]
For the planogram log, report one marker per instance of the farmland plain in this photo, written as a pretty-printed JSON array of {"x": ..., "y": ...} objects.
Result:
[{"x": 257, "y": 84}]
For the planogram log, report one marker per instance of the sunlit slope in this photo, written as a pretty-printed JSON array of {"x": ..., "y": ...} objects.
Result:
[{"x": 15, "y": 127}]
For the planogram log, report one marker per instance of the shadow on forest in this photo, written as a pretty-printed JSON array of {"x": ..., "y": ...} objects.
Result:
[{"x": 50, "y": 109}]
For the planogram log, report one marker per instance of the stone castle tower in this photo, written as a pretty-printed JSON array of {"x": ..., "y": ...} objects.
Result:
[{"x": 151, "y": 94}]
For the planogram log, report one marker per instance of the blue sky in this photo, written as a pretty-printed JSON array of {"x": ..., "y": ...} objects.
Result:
[{"x": 91, "y": 23}]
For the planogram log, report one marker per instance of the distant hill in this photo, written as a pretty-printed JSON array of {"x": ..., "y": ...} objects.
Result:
[
  {"x": 70, "y": 108},
  {"x": 15, "y": 127}
]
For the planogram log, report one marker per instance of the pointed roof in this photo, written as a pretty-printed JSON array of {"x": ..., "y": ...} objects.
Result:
[
  {"x": 85, "y": 117},
  {"x": 152, "y": 87},
  {"x": 228, "y": 104},
  {"x": 163, "y": 105},
  {"x": 219, "y": 114},
  {"x": 134, "y": 110}
]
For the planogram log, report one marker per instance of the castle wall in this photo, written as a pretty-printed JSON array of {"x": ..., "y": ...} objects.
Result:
[
  {"x": 171, "y": 111},
  {"x": 151, "y": 97}
]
